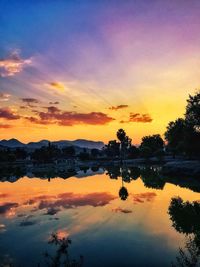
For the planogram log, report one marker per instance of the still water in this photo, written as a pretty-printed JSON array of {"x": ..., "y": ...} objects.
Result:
[{"x": 112, "y": 221}]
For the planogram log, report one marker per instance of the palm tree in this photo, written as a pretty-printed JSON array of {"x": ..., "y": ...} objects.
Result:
[{"x": 125, "y": 143}]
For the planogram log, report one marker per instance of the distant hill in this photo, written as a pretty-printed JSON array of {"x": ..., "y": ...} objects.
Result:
[
  {"x": 12, "y": 143},
  {"x": 88, "y": 144},
  {"x": 82, "y": 143}
]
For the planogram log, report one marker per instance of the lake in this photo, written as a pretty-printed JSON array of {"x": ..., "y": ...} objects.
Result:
[{"x": 111, "y": 221}]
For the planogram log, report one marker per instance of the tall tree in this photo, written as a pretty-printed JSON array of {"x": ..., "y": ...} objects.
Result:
[
  {"x": 192, "y": 114},
  {"x": 125, "y": 142},
  {"x": 112, "y": 149},
  {"x": 175, "y": 135},
  {"x": 152, "y": 143}
]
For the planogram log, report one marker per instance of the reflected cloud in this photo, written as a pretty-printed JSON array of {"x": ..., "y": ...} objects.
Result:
[
  {"x": 69, "y": 200},
  {"x": 126, "y": 211},
  {"x": 52, "y": 211},
  {"x": 143, "y": 197},
  {"x": 7, "y": 207},
  {"x": 27, "y": 223},
  {"x": 2, "y": 228},
  {"x": 62, "y": 233}
]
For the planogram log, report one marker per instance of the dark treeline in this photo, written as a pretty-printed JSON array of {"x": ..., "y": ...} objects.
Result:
[
  {"x": 48, "y": 154},
  {"x": 182, "y": 138}
]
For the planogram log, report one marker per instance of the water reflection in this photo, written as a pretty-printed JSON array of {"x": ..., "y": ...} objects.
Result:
[
  {"x": 126, "y": 209},
  {"x": 151, "y": 176}
]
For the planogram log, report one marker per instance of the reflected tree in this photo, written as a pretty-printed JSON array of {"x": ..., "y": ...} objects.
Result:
[
  {"x": 135, "y": 173},
  {"x": 189, "y": 255},
  {"x": 61, "y": 257},
  {"x": 125, "y": 174},
  {"x": 185, "y": 217},
  {"x": 113, "y": 172},
  {"x": 123, "y": 193},
  {"x": 152, "y": 178}
]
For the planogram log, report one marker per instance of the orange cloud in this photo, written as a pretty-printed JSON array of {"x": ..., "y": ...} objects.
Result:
[
  {"x": 118, "y": 107},
  {"x": 68, "y": 118},
  {"x": 12, "y": 65},
  {"x": 5, "y": 126},
  {"x": 8, "y": 114},
  {"x": 57, "y": 85},
  {"x": 137, "y": 117}
]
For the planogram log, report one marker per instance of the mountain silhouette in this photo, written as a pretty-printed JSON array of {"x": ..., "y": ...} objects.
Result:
[{"x": 82, "y": 143}]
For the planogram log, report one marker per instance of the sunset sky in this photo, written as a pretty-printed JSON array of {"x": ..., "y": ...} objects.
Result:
[{"x": 83, "y": 69}]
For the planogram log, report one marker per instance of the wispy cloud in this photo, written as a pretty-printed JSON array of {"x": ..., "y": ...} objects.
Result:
[
  {"x": 13, "y": 64},
  {"x": 118, "y": 107},
  {"x": 137, "y": 117},
  {"x": 5, "y": 126},
  {"x": 126, "y": 211},
  {"x": 31, "y": 102}
]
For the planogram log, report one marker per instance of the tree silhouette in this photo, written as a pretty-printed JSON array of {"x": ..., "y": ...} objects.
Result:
[
  {"x": 112, "y": 149},
  {"x": 153, "y": 143},
  {"x": 185, "y": 216},
  {"x": 123, "y": 193},
  {"x": 125, "y": 143},
  {"x": 189, "y": 255},
  {"x": 61, "y": 257},
  {"x": 192, "y": 114},
  {"x": 175, "y": 136},
  {"x": 183, "y": 135}
]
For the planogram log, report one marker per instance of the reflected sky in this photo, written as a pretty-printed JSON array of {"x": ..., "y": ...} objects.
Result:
[{"x": 105, "y": 229}]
